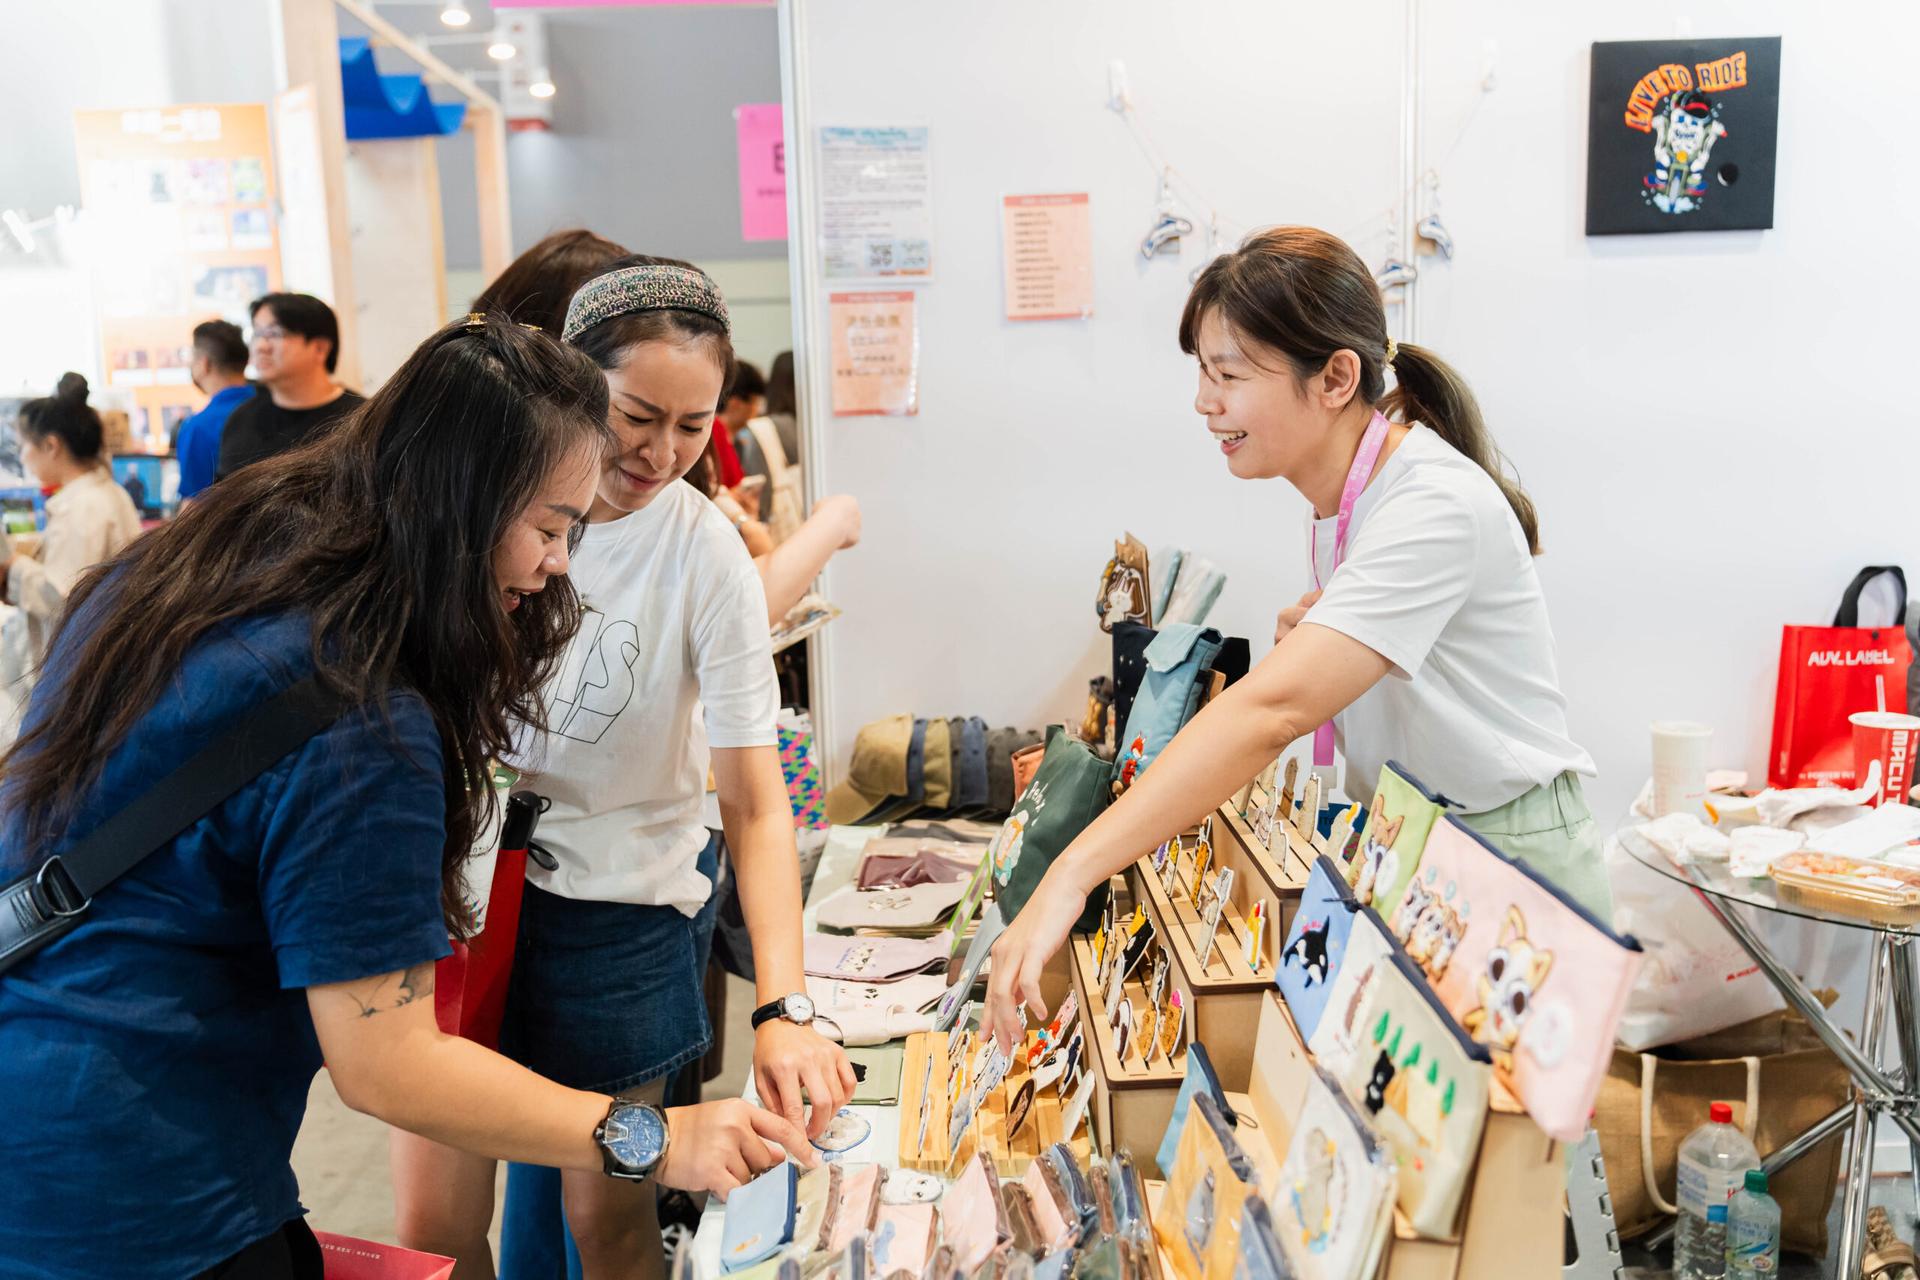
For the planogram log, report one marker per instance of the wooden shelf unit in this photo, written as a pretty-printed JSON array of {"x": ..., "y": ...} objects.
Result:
[{"x": 1041, "y": 1130}]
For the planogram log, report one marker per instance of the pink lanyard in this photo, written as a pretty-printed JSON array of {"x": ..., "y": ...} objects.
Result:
[{"x": 1364, "y": 462}]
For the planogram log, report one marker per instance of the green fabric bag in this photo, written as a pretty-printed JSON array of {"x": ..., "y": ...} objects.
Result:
[{"x": 1070, "y": 790}]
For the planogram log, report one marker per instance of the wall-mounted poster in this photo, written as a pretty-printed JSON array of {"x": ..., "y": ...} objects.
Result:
[{"x": 1681, "y": 135}]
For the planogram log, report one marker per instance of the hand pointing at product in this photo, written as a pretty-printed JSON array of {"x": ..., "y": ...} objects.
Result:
[
  {"x": 1292, "y": 617},
  {"x": 1022, "y": 952}
]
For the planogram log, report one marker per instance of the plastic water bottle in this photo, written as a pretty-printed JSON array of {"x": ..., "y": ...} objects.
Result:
[
  {"x": 1713, "y": 1164},
  {"x": 1753, "y": 1231}
]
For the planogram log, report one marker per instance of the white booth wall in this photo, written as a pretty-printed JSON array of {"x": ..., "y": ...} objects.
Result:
[{"x": 1714, "y": 426}]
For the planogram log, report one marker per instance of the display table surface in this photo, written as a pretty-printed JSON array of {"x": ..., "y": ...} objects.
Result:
[
  {"x": 838, "y": 862},
  {"x": 1892, "y": 973}
]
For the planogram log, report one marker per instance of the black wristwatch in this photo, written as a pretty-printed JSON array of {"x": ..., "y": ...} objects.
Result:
[
  {"x": 633, "y": 1139},
  {"x": 796, "y": 1008}
]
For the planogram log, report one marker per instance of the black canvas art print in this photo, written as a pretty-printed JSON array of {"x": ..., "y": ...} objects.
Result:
[{"x": 1681, "y": 135}]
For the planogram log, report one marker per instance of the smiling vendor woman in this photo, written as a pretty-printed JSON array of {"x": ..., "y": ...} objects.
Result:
[{"x": 1429, "y": 643}]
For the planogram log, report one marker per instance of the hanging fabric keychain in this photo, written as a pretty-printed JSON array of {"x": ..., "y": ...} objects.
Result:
[{"x": 1364, "y": 461}]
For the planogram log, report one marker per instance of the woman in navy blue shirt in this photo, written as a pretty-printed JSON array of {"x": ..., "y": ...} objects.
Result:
[{"x": 157, "y": 1058}]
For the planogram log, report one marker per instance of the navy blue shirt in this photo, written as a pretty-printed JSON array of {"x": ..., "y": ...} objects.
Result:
[
  {"x": 198, "y": 445},
  {"x": 155, "y": 1062}
]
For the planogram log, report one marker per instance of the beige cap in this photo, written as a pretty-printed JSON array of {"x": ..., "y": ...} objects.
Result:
[{"x": 878, "y": 771}]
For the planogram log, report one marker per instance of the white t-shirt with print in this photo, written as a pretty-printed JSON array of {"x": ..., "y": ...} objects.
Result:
[
  {"x": 672, "y": 657},
  {"x": 1438, "y": 580}
]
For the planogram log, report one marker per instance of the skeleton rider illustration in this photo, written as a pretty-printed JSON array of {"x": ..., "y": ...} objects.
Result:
[{"x": 1684, "y": 132}]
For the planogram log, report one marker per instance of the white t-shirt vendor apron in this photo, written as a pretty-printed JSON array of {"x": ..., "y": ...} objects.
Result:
[{"x": 1437, "y": 578}]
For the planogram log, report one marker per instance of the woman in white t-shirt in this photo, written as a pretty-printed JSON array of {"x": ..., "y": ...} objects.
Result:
[
  {"x": 672, "y": 670},
  {"x": 1427, "y": 641}
]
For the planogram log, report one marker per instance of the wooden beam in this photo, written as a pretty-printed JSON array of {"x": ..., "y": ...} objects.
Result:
[{"x": 309, "y": 54}]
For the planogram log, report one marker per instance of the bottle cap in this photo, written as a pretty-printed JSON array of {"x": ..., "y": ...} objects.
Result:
[
  {"x": 1757, "y": 1181},
  {"x": 1721, "y": 1113}
]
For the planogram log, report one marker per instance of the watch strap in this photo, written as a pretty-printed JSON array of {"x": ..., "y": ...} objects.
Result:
[{"x": 768, "y": 1012}]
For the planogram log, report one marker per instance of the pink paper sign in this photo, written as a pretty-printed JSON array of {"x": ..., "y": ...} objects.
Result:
[
  {"x": 1047, "y": 254},
  {"x": 876, "y": 354},
  {"x": 763, "y": 171}
]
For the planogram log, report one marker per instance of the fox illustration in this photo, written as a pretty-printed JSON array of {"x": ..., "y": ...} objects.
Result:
[
  {"x": 1376, "y": 852},
  {"x": 1514, "y": 972}
]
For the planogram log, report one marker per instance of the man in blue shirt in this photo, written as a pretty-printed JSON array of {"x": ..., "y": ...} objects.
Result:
[{"x": 219, "y": 370}]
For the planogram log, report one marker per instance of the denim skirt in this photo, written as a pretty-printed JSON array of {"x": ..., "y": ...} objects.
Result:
[{"x": 608, "y": 995}]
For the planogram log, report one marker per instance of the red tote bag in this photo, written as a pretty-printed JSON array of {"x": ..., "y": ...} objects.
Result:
[
  {"x": 1827, "y": 674},
  {"x": 470, "y": 986}
]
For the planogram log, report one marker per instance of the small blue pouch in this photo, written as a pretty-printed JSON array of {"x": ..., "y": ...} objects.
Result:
[
  {"x": 1315, "y": 944},
  {"x": 759, "y": 1218},
  {"x": 1171, "y": 688}
]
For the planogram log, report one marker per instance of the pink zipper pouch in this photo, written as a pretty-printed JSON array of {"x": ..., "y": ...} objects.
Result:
[{"x": 1528, "y": 972}]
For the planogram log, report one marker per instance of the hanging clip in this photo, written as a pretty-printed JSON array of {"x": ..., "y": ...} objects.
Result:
[{"x": 1168, "y": 227}]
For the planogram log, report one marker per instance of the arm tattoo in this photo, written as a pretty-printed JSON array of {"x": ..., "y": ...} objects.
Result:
[{"x": 394, "y": 990}]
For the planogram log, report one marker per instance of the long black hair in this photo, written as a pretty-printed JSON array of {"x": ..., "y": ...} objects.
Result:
[{"x": 383, "y": 530}]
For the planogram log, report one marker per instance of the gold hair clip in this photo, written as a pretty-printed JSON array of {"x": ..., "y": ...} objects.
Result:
[
  {"x": 478, "y": 320},
  {"x": 1393, "y": 349}
]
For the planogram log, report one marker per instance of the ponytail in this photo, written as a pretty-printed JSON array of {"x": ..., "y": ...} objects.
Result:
[
  {"x": 1429, "y": 391},
  {"x": 1304, "y": 294}
]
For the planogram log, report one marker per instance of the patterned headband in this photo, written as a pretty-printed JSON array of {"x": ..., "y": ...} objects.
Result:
[{"x": 648, "y": 288}]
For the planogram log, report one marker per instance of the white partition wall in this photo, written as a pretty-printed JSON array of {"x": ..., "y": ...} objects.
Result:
[{"x": 1716, "y": 426}]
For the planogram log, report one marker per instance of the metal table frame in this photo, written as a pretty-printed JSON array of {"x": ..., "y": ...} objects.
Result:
[{"x": 1879, "y": 1091}]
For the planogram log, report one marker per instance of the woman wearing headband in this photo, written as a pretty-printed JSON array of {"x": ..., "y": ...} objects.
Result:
[
  {"x": 158, "y": 1056},
  {"x": 672, "y": 670},
  {"x": 1426, "y": 639}
]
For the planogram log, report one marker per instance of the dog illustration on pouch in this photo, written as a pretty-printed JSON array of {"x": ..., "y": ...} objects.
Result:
[
  {"x": 1512, "y": 978},
  {"x": 1376, "y": 865}
]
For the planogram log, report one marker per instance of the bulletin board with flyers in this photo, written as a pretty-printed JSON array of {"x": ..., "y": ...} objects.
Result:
[{"x": 179, "y": 204}]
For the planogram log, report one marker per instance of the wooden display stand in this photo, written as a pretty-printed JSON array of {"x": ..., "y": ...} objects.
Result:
[
  {"x": 1132, "y": 1101},
  {"x": 1223, "y": 997},
  {"x": 1041, "y": 1130},
  {"x": 1512, "y": 1216}
]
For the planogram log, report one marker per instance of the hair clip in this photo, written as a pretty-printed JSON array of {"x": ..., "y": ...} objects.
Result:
[{"x": 476, "y": 319}]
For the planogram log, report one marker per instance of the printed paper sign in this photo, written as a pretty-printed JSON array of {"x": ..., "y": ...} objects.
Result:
[
  {"x": 1047, "y": 249},
  {"x": 876, "y": 204},
  {"x": 763, "y": 172},
  {"x": 876, "y": 354}
]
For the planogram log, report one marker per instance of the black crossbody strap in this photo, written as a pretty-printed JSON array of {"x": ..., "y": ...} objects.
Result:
[{"x": 254, "y": 743}]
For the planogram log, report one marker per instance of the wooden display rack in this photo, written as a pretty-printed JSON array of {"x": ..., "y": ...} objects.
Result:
[
  {"x": 1041, "y": 1130},
  {"x": 1512, "y": 1216},
  {"x": 1131, "y": 1103},
  {"x": 1223, "y": 997}
]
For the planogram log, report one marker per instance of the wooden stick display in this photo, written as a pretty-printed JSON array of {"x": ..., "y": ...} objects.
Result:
[
  {"x": 1132, "y": 1100},
  {"x": 1040, "y": 1130}
]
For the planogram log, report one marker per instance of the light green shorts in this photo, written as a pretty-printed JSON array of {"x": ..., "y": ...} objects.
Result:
[{"x": 1551, "y": 829}]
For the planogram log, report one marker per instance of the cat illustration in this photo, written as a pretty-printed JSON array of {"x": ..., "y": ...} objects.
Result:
[
  {"x": 1309, "y": 951},
  {"x": 1436, "y": 932},
  {"x": 1376, "y": 852},
  {"x": 1312, "y": 1193},
  {"x": 1419, "y": 897},
  {"x": 1378, "y": 1083},
  {"x": 1515, "y": 970}
]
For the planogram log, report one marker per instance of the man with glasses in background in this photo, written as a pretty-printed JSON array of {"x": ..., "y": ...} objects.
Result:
[{"x": 296, "y": 342}]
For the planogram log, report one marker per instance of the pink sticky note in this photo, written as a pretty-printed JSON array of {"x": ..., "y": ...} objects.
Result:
[{"x": 763, "y": 172}]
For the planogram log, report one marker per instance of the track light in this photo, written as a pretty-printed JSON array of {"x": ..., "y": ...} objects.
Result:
[
  {"x": 501, "y": 49},
  {"x": 455, "y": 14},
  {"x": 542, "y": 85}
]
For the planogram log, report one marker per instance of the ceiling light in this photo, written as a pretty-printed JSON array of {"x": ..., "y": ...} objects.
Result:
[
  {"x": 501, "y": 49},
  {"x": 542, "y": 86},
  {"x": 455, "y": 14}
]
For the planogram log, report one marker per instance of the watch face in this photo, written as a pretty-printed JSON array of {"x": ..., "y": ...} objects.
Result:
[
  {"x": 798, "y": 1008},
  {"x": 635, "y": 1135}
]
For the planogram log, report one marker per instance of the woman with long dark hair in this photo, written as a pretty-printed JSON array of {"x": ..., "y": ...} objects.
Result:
[{"x": 159, "y": 1054}]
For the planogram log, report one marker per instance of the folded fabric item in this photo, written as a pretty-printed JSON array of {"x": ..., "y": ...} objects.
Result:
[
  {"x": 873, "y": 959},
  {"x": 891, "y": 863},
  {"x": 1199, "y": 1079},
  {"x": 1170, "y": 690},
  {"x": 1422, "y": 1083},
  {"x": 1001, "y": 744},
  {"x": 1068, "y": 792},
  {"x": 1316, "y": 944},
  {"x": 1402, "y": 813},
  {"x": 1050, "y": 1213},
  {"x": 1529, "y": 972},
  {"x": 939, "y": 766},
  {"x": 1333, "y": 1198},
  {"x": 916, "y": 793},
  {"x": 950, "y": 830},
  {"x": 854, "y": 1207},
  {"x": 972, "y": 1219},
  {"x": 1198, "y": 1225},
  {"x": 801, "y": 769},
  {"x": 878, "y": 1070},
  {"x": 818, "y": 1189},
  {"x": 877, "y": 773},
  {"x": 1193, "y": 596},
  {"x": 921, "y": 906},
  {"x": 914, "y": 994},
  {"x": 759, "y": 1217},
  {"x": 872, "y": 1026},
  {"x": 902, "y": 1238},
  {"x": 1165, "y": 566}
]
